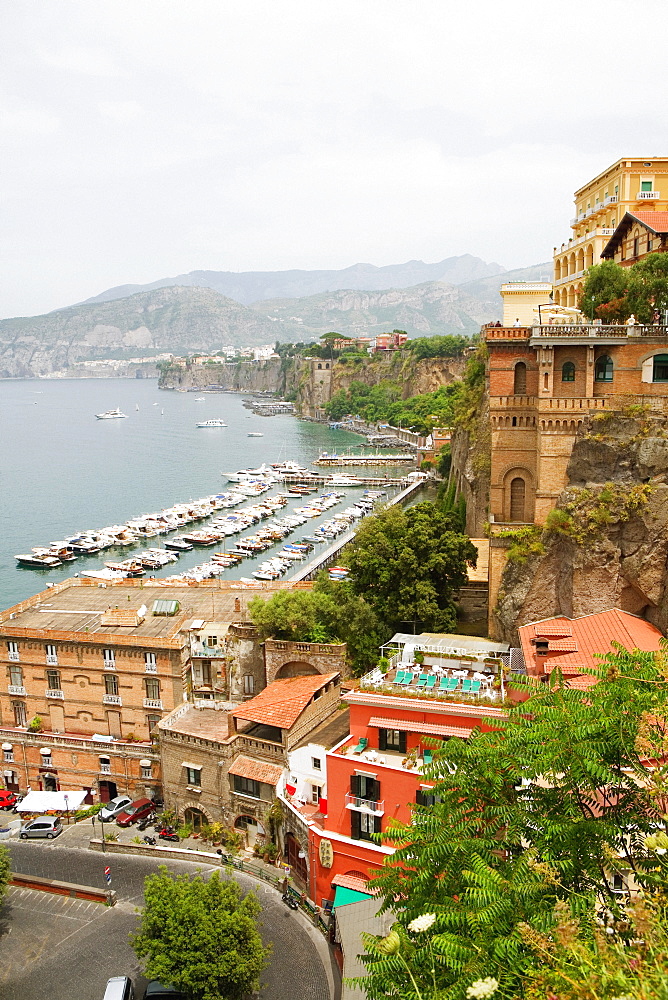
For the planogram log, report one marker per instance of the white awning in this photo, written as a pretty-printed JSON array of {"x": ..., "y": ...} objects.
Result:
[
  {"x": 7, "y": 746},
  {"x": 8, "y": 774},
  {"x": 46, "y": 751},
  {"x": 193, "y": 767},
  {"x": 41, "y": 802},
  {"x": 145, "y": 762}
]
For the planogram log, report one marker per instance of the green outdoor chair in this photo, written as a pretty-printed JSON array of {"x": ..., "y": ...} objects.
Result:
[
  {"x": 466, "y": 686},
  {"x": 422, "y": 680},
  {"x": 362, "y": 745},
  {"x": 475, "y": 686},
  {"x": 399, "y": 677},
  {"x": 445, "y": 684},
  {"x": 426, "y": 756},
  {"x": 453, "y": 684},
  {"x": 431, "y": 682}
]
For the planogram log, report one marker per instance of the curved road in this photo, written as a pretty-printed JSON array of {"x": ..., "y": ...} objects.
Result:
[{"x": 73, "y": 947}]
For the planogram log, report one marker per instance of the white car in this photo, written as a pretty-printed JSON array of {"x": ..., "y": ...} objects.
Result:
[{"x": 110, "y": 810}]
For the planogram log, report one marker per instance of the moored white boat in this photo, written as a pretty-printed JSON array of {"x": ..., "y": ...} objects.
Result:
[{"x": 111, "y": 415}]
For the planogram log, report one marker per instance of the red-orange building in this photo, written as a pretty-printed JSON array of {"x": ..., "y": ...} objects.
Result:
[{"x": 380, "y": 769}]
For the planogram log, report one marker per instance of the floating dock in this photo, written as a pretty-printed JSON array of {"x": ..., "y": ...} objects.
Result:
[{"x": 362, "y": 460}]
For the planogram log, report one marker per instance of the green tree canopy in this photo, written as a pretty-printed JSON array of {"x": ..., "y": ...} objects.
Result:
[
  {"x": 438, "y": 347},
  {"x": 330, "y": 612},
  {"x": 409, "y": 564},
  {"x": 200, "y": 936},
  {"x": 648, "y": 286},
  {"x": 604, "y": 292},
  {"x": 530, "y": 822}
]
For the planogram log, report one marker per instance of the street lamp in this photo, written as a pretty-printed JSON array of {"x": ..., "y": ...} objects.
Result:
[
  {"x": 101, "y": 827},
  {"x": 67, "y": 808}
]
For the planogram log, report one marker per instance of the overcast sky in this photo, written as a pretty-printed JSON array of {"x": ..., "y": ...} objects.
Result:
[{"x": 147, "y": 138}]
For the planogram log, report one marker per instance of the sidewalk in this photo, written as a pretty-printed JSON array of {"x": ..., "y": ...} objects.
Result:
[{"x": 80, "y": 834}]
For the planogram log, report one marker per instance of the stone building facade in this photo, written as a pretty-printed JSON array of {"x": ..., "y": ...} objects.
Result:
[{"x": 224, "y": 764}]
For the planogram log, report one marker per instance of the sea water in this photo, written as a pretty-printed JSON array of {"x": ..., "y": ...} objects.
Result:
[{"x": 63, "y": 471}]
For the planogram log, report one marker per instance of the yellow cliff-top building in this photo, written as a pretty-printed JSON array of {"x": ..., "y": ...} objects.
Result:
[{"x": 629, "y": 185}]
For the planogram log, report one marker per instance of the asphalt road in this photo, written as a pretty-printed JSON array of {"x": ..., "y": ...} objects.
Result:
[{"x": 68, "y": 949}]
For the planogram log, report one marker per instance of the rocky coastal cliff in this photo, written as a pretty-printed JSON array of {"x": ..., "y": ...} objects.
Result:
[{"x": 606, "y": 544}]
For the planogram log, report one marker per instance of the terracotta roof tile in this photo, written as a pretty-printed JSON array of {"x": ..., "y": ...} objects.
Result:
[
  {"x": 256, "y": 770},
  {"x": 593, "y": 634},
  {"x": 658, "y": 221},
  {"x": 554, "y": 626},
  {"x": 282, "y": 702},
  {"x": 562, "y": 646}
]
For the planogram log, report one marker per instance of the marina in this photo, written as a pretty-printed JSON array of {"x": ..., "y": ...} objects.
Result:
[{"x": 65, "y": 473}]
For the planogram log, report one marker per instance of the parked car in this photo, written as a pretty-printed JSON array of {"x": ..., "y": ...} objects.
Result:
[
  {"x": 111, "y": 809},
  {"x": 139, "y": 809},
  {"x": 42, "y": 826},
  {"x": 119, "y": 988},
  {"x": 8, "y": 799},
  {"x": 159, "y": 991}
]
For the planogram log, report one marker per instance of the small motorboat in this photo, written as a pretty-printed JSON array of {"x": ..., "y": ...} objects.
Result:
[{"x": 214, "y": 422}]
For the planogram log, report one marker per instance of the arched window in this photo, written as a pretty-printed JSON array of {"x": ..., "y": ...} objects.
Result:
[
  {"x": 520, "y": 380},
  {"x": 319, "y": 367},
  {"x": 568, "y": 372},
  {"x": 603, "y": 369},
  {"x": 660, "y": 369},
  {"x": 517, "y": 498}
]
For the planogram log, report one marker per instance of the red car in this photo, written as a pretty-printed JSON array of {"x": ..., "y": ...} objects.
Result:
[
  {"x": 139, "y": 809},
  {"x": 8, "y": 800}
]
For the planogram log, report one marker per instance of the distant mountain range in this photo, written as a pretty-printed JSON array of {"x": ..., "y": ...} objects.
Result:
[
  {"x": 254, "y": 286},
  {"x": 187, "y": 317}
]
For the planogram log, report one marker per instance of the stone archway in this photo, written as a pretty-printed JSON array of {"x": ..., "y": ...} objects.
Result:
[{"x": 296, "y": 668}]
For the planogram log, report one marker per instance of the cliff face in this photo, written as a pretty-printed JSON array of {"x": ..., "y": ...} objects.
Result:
[
  {"x": 313, "y": 387},
  {"x": 607, "y": 544}
]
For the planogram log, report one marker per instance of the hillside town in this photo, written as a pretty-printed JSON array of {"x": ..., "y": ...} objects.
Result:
[{"x": 335, "y": 770}]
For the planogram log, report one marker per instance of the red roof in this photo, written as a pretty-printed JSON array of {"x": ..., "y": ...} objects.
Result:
[
  {"x": 591, "y": 634},
  {"x": 282, "y": 702},
  {"x": 658, "y": 221},
  {"x": 256, "y": 770}
]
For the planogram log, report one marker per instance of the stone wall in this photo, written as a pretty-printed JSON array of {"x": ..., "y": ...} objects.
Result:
[{"x": 290, "y": 659}]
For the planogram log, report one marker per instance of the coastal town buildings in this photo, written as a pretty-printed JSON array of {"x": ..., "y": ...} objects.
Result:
[
  {"x": 89, "y": 672},
  {"x": 630, "y": 185}
]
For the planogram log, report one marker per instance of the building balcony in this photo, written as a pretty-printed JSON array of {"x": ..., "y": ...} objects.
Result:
[
  {"x": 573, "y": 276},
  {"x": 611, "y": 332},
  {"x": 17, "y": 689},
  {"x": 648, "y": 195},
  {"x": 105, "y": 768},
  {"x": 54, "y": 693},
  {"x": 197, "y": 649},
  {"x": 51, "y": 660},
  {"x": 110, "y": 664},
  {"x": 610, "y": 199},
  {"x": 111, "y": 699},
  {"x": 153, "y": 703},
  {"x": 370, "y": 806},
  {"x": 14, "y": 657}
]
